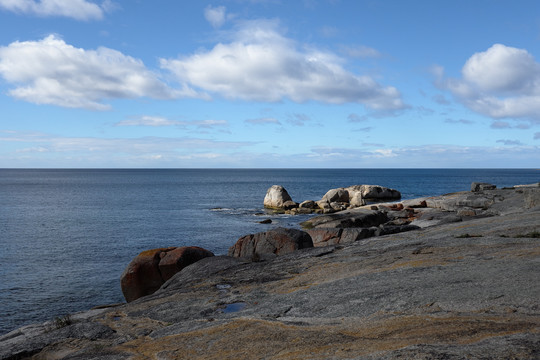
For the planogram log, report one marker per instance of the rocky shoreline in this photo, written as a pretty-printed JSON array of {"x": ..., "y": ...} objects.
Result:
[{"x": 453, "y": 276}]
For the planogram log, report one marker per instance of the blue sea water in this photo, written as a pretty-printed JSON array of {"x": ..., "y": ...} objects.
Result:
[{"x": 67, "y": 235}]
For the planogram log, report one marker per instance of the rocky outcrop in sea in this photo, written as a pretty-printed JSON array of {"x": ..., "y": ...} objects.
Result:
[{"x": 463, "y": 284}]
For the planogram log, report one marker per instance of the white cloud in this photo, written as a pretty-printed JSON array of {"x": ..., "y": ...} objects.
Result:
[
  {"x": 261, "y": 64},
  {"x": 215, "y": 15},
  {"x": 138, "y": 146},
  {"x": 76, "y": 9},
  {"x": 263, "y": 121},
  {"x": 361, "y": 51},
  {"x": 157, "y": 121},
  {"x": 147, "y": 121},
  {"x": 50, "y": 71},
  {"x": 501, "y": 82}
]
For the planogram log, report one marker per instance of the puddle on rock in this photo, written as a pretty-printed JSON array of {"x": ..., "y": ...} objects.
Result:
[{"x": 234, "y": 307}]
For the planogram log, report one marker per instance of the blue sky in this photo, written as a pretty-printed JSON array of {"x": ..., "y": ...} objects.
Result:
[{"x": 270, "y": 83}]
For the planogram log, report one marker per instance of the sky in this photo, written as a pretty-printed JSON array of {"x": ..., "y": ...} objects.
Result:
[{"x": 270, "y": 84}]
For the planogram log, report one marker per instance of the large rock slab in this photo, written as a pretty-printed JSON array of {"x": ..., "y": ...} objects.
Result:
[
  {"x": 348, "y": 219},
  {"x": 278, "y": 241}
]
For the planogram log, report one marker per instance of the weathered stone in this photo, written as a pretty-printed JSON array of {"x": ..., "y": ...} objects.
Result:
[
  {"x": 376, "y": 192},
  {"x": 466, "y": 212},
  {"x": 338, "y": 206},
  {"x": 308, "y": 204},
  {"x": 289, "y": 204},
  {"x": 175, "y": 260},
  {"x": 336, "y": 195},
  {"x": 349, "y": 218},
  {"x": 277, "y": 241},
  {"x": 350, "y": 235},
  {"x": 481, "y": 186},
  {"x": 355, "y": 199},
  {"x": 151, "y": 268},
  {"x": 323, "y": 204},
  {"x": 394, "y": 229},
  {"x": 325, "y": 236},
  {"x": 142, "y": 276},
  {"x": 531, "y": 197},
  {"x": 275, "y": 197}
]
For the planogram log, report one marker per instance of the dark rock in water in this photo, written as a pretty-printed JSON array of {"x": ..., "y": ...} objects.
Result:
[
  {"x": 287, "y": 205},
  {"x": 266, "y": 221},
  {"x": 151, "y": 268},
  {"x": 277, "y": 241},
  {"x": 308, "y": 204},
  {"x": 480, "y": 186}
]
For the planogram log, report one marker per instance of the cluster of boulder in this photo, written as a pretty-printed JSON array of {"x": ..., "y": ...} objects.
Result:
[
  {"x": 344, "y": 218},
  {"x": 277, "y": 198}
]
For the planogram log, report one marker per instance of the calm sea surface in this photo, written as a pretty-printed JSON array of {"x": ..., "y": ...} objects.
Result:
[{"x": 67, "y": 235}]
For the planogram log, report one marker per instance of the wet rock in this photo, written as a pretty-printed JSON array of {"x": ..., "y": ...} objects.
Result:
[{"x": 277, "y": 241}]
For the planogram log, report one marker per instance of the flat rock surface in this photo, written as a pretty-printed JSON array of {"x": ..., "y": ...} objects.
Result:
[{"x": 466, "y": 289}]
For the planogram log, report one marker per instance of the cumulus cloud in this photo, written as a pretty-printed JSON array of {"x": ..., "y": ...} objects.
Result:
[
  {"x": 501, "y": 82},
  {"x": 76, "y": 9},
  {"x": 215, "y": 15},
  {"x": 49, "y": 71},
  {"x": 261, "y": 64}
]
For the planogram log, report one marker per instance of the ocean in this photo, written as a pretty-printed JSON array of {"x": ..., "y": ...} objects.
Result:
[{"x": 67, "y": 235}]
